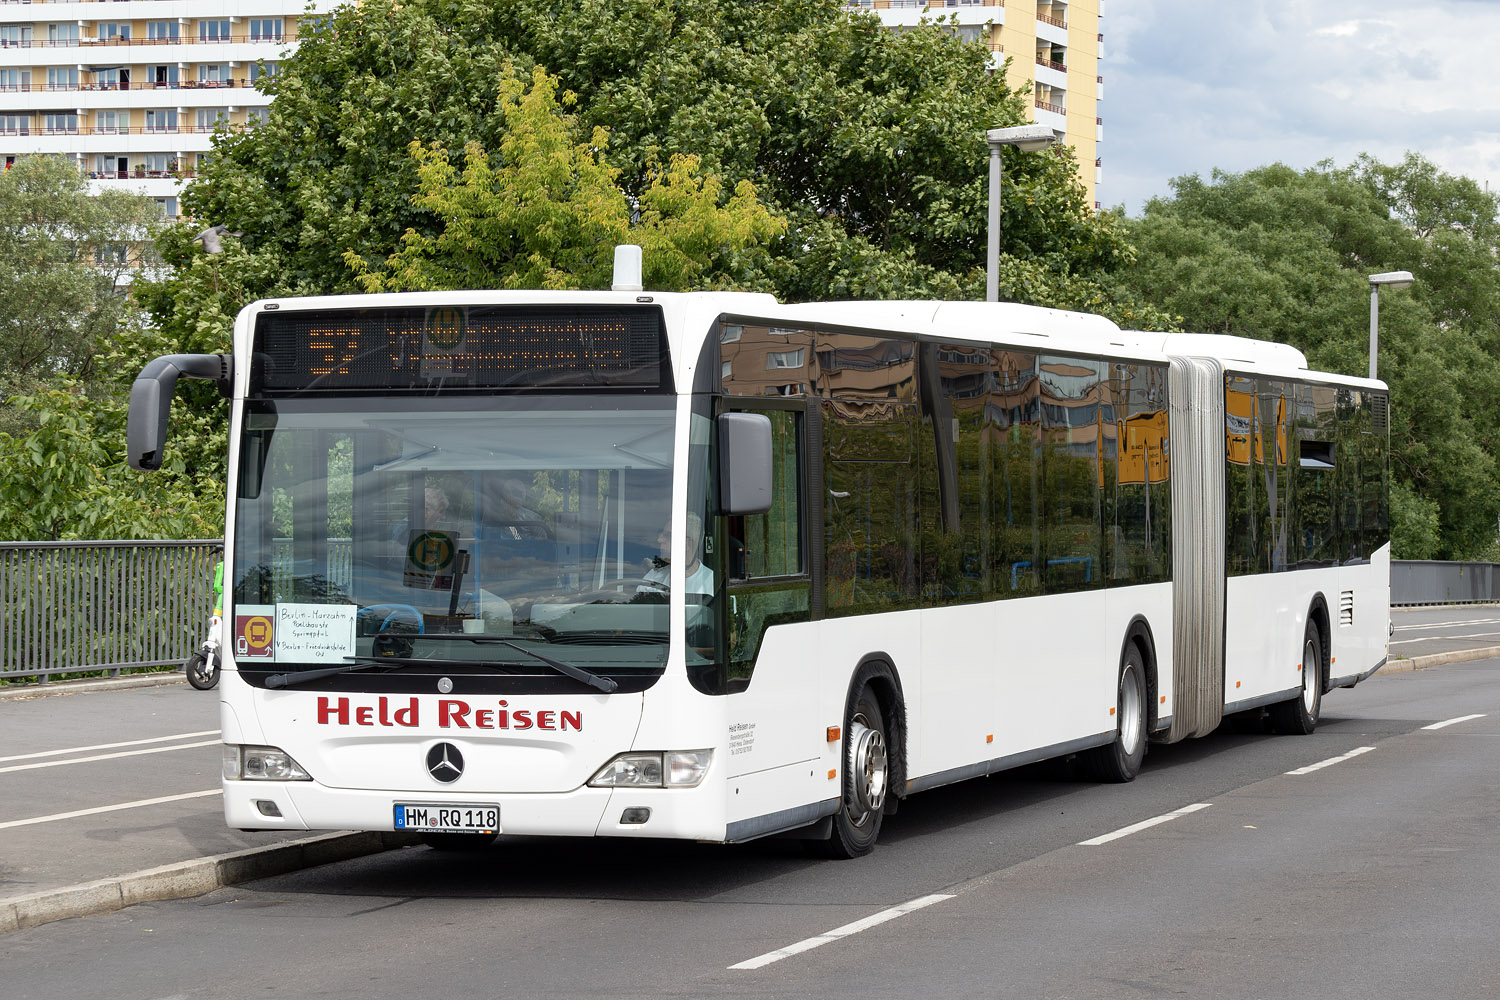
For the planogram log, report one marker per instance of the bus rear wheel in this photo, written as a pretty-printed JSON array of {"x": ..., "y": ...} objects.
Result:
[
  {"x": 867, "y": 773},
  {"x": 1121, "y": 759},
  {"x": 1299, "y": 715}
]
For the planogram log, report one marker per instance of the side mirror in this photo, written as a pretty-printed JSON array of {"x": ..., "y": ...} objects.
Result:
[
  {"x": 744, "y": 463},
  {"x": 151, "y": 398}
]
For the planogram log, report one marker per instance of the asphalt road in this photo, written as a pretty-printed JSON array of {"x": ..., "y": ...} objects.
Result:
[
  {"x": 1373, "y": 876},
  {"x": 1424, "y": 631}
]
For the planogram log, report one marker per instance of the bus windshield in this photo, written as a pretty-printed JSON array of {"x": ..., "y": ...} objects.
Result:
[{"x": 454, "y": 530}]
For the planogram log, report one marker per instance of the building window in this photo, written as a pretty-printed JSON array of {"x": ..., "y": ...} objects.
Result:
[
  {"x": 159, "y": 164},
  {"x": 67, "y": 34},
  {"x": 168, "y": 207},
  {"x": 162, "y": 31},
  {"x": 162, "y": 77},
  {"x": 62, "y": 78},
  {"x": 213, "y": 31},
  {"x": 259, "y": 70},
  {"x": 111, "y": 121},
  {"x": 214, "y": 75},
  {"x": 109, "y": 31},
  {"x": 257, "y": 116},
  {"x": 15, "y": 124},
  {"x": 15, "y": 35},
  {"x": 265, "y": 29},
  {"x": 784, "y": 359},
  {"x": 10, "y": 79},
  {"x": 164, "y": 120},
  {"x": 208, "y": 118},
  {"x": 61, "y": 122}
]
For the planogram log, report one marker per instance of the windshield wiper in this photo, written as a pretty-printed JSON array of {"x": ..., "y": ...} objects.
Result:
[
  {"x": 361, "y": 662},
  {"x": 593, "y": 680},
  {"x": 579, "y": 674}
]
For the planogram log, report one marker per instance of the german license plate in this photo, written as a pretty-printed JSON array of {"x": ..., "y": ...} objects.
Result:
[{"x": 447, "y": 817}]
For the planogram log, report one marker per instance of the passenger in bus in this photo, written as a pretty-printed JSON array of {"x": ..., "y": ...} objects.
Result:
[
  {"x": 506, "y": 513},
  {"x": 434, "y": 515}
]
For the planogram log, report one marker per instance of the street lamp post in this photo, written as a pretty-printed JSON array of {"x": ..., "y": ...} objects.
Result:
[
  {"x": 1390, "y": 279},
  {"x": 1027, "y": 138}
]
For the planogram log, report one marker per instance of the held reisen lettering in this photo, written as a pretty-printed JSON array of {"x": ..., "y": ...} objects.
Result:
[{"x": 452, "y": 713}]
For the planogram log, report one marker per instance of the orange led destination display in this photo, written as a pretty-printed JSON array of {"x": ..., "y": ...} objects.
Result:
[{"x": 453, "y": 347}]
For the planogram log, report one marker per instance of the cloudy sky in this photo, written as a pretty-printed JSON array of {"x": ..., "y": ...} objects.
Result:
[{"x": 1191, "y": 85}]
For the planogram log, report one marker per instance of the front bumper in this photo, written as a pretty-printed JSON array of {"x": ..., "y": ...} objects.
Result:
[{"x": 676, "y": 813}]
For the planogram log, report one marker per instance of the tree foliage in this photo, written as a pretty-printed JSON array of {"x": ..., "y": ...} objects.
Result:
[
  {"x": 1280, "y": 254},
  {"x": 62, "y": 253},
  {"x": 868, "y": 142},
  {"x": 550, "y": 213}
]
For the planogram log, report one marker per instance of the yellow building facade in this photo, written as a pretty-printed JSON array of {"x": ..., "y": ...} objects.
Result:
[
  {"x": 133, "y": 90},
  {"x": 1054, "y": 50}
]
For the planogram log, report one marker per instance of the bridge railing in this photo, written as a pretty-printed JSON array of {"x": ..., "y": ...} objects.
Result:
[
  {"x": 1430, "y": 581},
  {"x": 87, "y": 607}
]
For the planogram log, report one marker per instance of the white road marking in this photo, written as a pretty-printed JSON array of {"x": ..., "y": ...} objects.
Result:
[
  {"x": 1145, "y": 824},
  {"x": 110, "y": 746},
  {"x": 1457, "y": 624},
  {"x": 1309, "y": 769},
  {"x": 104, "y": 809},
  {"x": 104, "y": 756},
  {"x": 1444, "y": 638},
  {"x": 838, "y": 933},
  {"x": 1454, "y": 722}
]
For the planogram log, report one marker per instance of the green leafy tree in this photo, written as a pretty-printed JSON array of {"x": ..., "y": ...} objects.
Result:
[
  {"x": 63, "y": 252},
  {"x": 1280, "y": 254},
  {"x": 869, "y": 142},
  {"x": 550, "y": 214}
]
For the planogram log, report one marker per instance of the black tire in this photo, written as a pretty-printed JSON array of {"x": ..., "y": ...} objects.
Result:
[
  {"x": 1121, "y": 759},
  {"x": 458, "y": 842},
  {"x": 202, "y": 671},
  {"x": 866, "y": 781},
  {"x": 1299, "y": 715}
]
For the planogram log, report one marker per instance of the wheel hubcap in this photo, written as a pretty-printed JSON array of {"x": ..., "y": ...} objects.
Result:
[
  {"x": 1131, "y": 722},
  {"x": 1310, "y": 669},
  {"x": 867, "y": 771}
]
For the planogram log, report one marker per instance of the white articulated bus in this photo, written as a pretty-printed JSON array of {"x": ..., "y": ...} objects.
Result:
[{"x": 711, "y": 567}]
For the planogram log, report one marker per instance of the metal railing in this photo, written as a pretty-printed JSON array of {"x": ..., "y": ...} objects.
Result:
[
  {"x": 1430, "y": 581},
  {"x": 87, "y": 607}
]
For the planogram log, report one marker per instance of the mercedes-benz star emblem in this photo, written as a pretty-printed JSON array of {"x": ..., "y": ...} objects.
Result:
[{"x": 444, "y": 762}]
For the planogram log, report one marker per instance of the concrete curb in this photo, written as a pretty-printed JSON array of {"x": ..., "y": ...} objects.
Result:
[
  {"x": 190, "y": 878},
  {"x": 13, "y": 692},
  {"x": 1438, "y": 659}
]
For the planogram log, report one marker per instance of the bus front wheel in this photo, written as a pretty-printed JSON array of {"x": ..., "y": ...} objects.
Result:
[
  {"x": 1121, "y": 759},
  {"x": 867, "y": 772}
]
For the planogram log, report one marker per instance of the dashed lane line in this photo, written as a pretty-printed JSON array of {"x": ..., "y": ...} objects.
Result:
[
  {"x": 838, "y": 933},
  {"x": 1309, "y": 769},
  {"x": 114, "y": 808},
  {"x": 106, "y": 756},
  {"x": 108, "y": 746},
  {"x": 1144, "y": 824},
  {"x": 1453, "y": 722}
]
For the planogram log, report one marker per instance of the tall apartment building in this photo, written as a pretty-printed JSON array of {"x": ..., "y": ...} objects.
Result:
[
  {"x": 1054, "y": 46},
  {"x": 133, "y": 89}
]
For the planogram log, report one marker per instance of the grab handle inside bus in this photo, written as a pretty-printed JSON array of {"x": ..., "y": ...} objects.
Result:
[
  {"x": 151, "y": 398},
  {"x": 744, "y": 463}
]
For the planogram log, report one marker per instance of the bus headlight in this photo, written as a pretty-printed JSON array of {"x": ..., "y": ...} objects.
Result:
[
  {"x": 250, "y": 763},
  {"x": 672, "y": 769}
]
